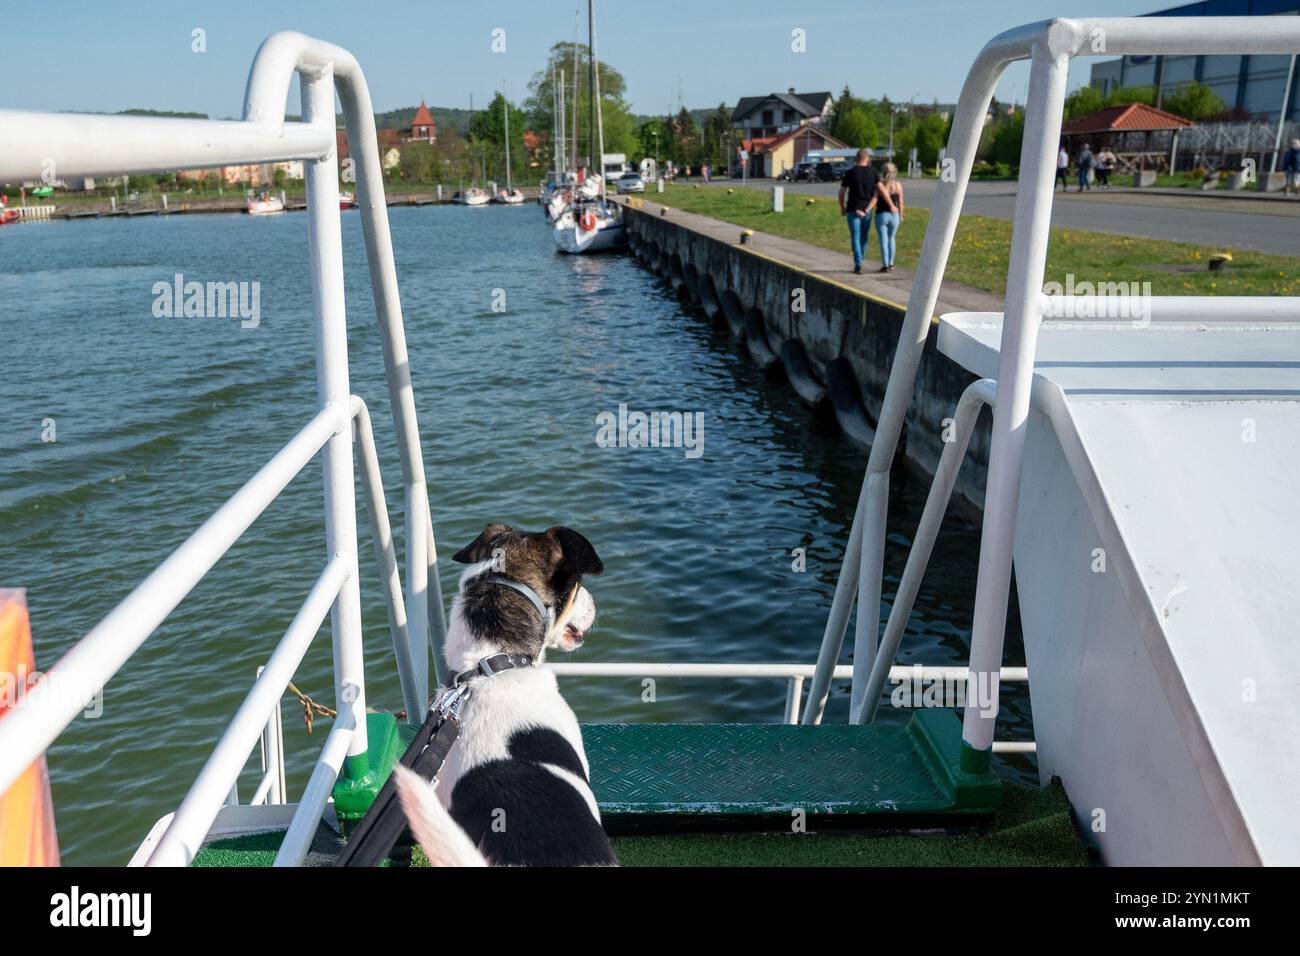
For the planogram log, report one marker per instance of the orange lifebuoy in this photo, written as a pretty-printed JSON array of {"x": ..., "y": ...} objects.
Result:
[
  {"x": 27, "y": 836},
  {"x": 588, "y": 221}
]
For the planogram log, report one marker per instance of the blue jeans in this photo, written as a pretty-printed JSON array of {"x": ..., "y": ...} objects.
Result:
[
  {"x": 887, "y": 227},
  {"x": 859, "y": 235}
]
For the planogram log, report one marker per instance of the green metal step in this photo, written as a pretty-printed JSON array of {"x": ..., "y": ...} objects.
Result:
[{"x": 641, "y": 772}]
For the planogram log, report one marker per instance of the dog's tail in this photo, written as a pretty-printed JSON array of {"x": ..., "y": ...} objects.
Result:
[{"x": 443, "y": 841}]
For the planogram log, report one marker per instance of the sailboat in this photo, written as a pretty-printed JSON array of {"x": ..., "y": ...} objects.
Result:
[
  {"x": 508, "y": 196},
  {"x": 590, "y": 223},
  {"x": 474, "y": 196}
]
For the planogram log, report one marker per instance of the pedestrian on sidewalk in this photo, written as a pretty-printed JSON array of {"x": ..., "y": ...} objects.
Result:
[
  {"x": 857, "y": 200},
  {"x": 1106, "y": 162},
  {"x": 1085, "y": 161},
  {"x": 1291, "y": 166},
  {"x": 1063, "y": 169},
  {"x": 889, "y": 213}
]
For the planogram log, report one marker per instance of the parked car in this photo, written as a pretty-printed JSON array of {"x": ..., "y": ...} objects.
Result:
[
  {"x": 842, "y": 167},
  {"x": 630, "y": 183},
  {"x": 824, "y": 173},
  {"x": 802, "y": 172}
]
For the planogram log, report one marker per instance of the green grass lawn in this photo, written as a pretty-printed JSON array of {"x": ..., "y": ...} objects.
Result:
[{"x": 982, "y": 245}]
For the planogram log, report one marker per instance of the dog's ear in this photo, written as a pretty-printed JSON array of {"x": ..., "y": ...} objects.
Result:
[
  {"x": 579, "y": 555},
  {"x": 480, "y": 549}
]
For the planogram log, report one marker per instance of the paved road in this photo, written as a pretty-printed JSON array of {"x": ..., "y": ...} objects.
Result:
[{"x": 1266, "y": 225}]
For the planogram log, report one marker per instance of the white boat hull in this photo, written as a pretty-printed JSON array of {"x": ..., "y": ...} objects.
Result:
[
  {"x": 265, "y": 207},
  {"x": 573, "y": 239}
]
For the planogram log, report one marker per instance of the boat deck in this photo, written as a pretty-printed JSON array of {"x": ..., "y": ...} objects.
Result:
[
  {"x": 1156, "y": 560},
  {"x": 1032, "y": 828}
]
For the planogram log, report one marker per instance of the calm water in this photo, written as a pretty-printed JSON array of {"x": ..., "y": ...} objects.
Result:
[{"x": 160, "y": 419}]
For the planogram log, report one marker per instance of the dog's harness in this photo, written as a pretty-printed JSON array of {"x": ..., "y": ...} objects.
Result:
[{"x": 384, "y": 822}]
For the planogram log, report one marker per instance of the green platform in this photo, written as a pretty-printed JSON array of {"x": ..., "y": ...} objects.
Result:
[{"x": 646, "y": 775}]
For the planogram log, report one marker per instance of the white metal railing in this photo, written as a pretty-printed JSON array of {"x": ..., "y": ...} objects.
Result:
[
  {"x": 1049, "y": 46},
  {"x": 26, "y": 213},
  {"x": 90, "y": 145},
  {"x": 794, "y": 676}
]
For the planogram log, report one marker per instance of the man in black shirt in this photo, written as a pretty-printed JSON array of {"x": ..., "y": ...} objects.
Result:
[{"x": 858, "y": 187}]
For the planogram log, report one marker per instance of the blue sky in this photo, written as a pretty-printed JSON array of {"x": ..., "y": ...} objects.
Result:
[{"x": 88, "y": 55}]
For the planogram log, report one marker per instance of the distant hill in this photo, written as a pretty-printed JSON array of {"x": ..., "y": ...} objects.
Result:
[
  {"x": 698, "y": 115},
  {"x": 448, "y": 118},
  {"x": 144, "y": 112}
]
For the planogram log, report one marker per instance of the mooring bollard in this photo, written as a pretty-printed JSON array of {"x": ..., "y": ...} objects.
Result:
[
  {"x": 439, "y": 192},
  {"x": 164, "y": 199},
  {"x": 660, "y": 182},
  {"x": 744, "y": 236},
  {"x": 778, "y": 199}
]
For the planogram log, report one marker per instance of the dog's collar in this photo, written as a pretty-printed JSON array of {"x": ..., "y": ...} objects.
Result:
[
  {"x": 547, "y": 614},
  {"x": 492, "y": 665}
]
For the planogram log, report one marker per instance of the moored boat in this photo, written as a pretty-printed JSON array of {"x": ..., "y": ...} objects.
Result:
[{"x": 265, "y": 205}]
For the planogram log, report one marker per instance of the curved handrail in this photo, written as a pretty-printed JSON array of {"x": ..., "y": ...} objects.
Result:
[
  {"x": 279, "y": 56},
  {"x": 1050, "y": 44}
]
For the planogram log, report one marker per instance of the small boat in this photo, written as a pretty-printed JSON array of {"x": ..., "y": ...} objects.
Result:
[
  {"x": 347, "y": 201},
  {"x": 264, "y": 205},
  {"x": 510, "y": 196},
  {"x": 8, "y": 216},
  {"x": 589, "y": 223},
  {"x": 474, "y": 197},
  {"x": 589, "y": 227}
]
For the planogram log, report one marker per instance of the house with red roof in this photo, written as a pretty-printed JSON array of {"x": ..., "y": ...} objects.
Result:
[
  {"x": 1141, "y": 136},
  {"x": 423, "y": 128}
]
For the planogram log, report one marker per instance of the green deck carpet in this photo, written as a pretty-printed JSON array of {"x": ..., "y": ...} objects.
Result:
[{"x": 1032, "y": 828}]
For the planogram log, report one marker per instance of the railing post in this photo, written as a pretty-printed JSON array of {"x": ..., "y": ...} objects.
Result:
[
  {"x": 324, "y": 236},
  {"x": 974, "y": 398},
  {"x": 273, "y": 753},
  {"x": 426, "y": 616},
  {"x": 862, "y": 569},
  {"x": 1049, "y": 64}
]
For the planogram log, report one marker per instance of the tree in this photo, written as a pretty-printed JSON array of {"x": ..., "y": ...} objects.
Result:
[
  {"x": 1084, "y": 101},
  {"x": 1194, "y": 101},
  {"x": 487, "y": 138},
  {"x": 717, "y": 137},
  {"x": 1007, "y": 140},
  {"x": 1132, "y": 94},
  {"x": 857, "y": 128},
  {"x": 619, "y": 125},
  {"x": 416, "y": 164},
  {"x": 687, "y": 145}
]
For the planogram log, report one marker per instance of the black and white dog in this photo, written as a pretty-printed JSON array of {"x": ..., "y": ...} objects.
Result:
[{"x": 515, "y": 784}]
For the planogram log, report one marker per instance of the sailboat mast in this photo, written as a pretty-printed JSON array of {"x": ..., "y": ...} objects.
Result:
[
  {"x": 595, "y": 93},
  {"x": 555, "y": 123},
  {"x": 505, "y": 102},
  {"x": 577, "y": 103},
  {"x": 593, "y": 161},
  {"x": 562, "y": 163}
]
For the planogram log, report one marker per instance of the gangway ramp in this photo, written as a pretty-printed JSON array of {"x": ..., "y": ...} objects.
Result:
[{"x": 1157, "y": 563}]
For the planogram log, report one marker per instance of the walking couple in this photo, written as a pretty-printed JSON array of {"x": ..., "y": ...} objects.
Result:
[{"x": 862, "y": 191}]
